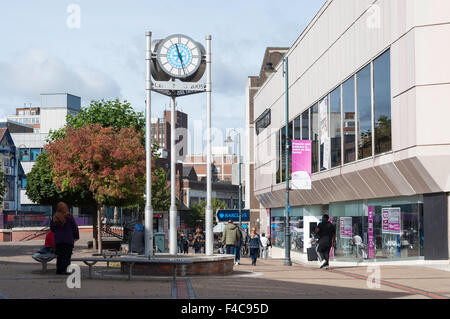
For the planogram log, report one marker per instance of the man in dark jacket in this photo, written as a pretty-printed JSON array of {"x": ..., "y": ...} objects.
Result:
[
  {"x": 230, "y": 237},
  {"x": 327, "y": 239}
]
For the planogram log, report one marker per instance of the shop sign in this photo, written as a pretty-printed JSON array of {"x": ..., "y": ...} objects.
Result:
[
  {"x": 370, "y": 233},
  {"x": 224, "y": 215},
  {"x": 301, "y": 164},
  {"x": 345, "y": 225},
  {"x": 391, "y": 221}
]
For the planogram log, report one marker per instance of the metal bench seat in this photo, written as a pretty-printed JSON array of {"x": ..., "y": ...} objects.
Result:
[
  {"x": 43, "y": 259},
  {"x": 91, "y": 261}
]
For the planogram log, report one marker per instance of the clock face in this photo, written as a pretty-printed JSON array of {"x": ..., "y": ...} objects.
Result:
[{"x": 179, "y": 56}]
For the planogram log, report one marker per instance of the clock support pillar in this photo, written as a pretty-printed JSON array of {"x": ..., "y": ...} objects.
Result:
[
  {"x": 209, "y": 240},
  {"x": 173, "y": 158},
  {"x": 148, "y": 219}
]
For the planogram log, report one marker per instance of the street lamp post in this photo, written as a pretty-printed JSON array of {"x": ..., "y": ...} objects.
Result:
[
  {"x": 240, "y": 181},
  {"x": 287, "y": 235}
]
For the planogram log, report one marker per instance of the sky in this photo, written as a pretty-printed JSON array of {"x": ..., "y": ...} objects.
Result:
[{"x": 95, "y": 49}]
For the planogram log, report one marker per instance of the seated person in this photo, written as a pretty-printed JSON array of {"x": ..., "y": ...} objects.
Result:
[{"x": 49, "y": 244}]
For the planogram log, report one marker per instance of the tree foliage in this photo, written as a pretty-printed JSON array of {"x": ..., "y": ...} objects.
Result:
[
  {"x": 196, "y": 216},
  {"x": 112, "y": 113},
  {"x": 110, "y": 163},
  {"x": 117, "y": 115},
  {"x": 41, "y": 188}
]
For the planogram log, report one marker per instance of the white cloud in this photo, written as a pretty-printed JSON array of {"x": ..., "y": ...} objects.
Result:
[{"x": 37, "y": 72}]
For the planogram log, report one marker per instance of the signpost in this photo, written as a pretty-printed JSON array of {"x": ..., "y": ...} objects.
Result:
[{"x": 224, "y": 215}]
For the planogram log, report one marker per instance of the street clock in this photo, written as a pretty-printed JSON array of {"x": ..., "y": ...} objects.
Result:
[{"x": 178, "y": 57}]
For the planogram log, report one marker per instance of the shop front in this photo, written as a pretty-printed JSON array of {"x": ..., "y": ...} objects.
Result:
[
  {"x": 379, "y": 230},
  {"x": 367, "y": 230}
]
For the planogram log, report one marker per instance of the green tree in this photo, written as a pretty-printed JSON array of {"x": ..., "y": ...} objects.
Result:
[
  {"x": 41, "y": 188},
  {"x": 196, "y": 215},
  {"x": 112, "y": 113}
]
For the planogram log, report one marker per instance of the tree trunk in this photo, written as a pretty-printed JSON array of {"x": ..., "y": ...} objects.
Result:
[
  {"x": 99, "y": 228},
  {"x": 94, "y": 227},
  {"x": 116, "y": 215}
]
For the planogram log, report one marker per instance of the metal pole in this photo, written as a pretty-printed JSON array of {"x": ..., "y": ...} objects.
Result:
[
  {"x": 173, "y": 205},
  {"x": 287, "y": 237},
  {"x": 240, "y": 184},
  {"x": 17, "y": 180},
  {"x": 148, "y": 148},
  {"x": 209, "y": 240}
]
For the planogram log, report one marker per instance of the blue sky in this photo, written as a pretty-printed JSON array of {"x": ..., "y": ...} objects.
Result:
[{"x": 105, "y": 57}]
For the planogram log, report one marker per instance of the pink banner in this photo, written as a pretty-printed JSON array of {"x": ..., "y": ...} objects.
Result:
[
  {"x": 301, "y": 164},
  {"x": 332, "y": 248},
  {"x": 370, "y": 233}
]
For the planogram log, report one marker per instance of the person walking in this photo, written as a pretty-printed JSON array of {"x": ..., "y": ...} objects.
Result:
[
  {"x": 66, "y": 233},
  {"x": 197, "y": 245},
  {"x": 240, "y": 243},
  {"x": 265, "y": 246},
  {"x": 230, "y": 237},
  {"x": 185, "y": 246},
  {"x": 254, "y": 244},
  {"x": 327, "y": 239}
]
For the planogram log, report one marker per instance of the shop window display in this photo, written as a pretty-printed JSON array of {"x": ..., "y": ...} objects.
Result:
[
  {"x": 397, "y": 231},
  {"x": 277, "y": 230}
]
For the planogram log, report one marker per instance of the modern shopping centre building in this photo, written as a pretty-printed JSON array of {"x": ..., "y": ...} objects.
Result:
[{"x": 381, "y": 152}]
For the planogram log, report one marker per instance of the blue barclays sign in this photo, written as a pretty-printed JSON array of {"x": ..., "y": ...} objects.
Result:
[{"x": 224, "y": 215}]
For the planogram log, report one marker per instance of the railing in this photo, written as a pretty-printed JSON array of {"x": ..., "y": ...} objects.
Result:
[
  {"x": 108, "y": 230},
  {"x": 36, "y": 234}
]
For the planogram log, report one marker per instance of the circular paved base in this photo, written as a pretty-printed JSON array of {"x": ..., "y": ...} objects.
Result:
[{"x": 195, "y": 265}]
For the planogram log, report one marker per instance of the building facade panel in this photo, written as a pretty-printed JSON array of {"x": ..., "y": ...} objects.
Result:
[{"x": 394, "y": 88}]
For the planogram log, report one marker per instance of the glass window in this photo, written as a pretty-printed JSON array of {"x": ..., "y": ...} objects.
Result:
[
  {"x": 35, "y": 152},
  {"x": 335, "y": 127},
  {"x": 296, "y": 229},
  {"x": 305, "y": 125},
  {"x": 324, "y": 134},
  {"x": 25, "y": 155},
  {"x": 278, "y": 177},
  {"x": 364, "y": 113},
  {"x": 23, "y": 183},
  {"x": 348, "y": 89},
  {"x": 297, "y": 128},
  {"x": 314, "y": 135},
  {"x": 382, "y": 108}
]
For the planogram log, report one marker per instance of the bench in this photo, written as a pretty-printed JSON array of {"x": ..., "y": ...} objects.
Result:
[
  {"x": 91, "y": 261},
  {"x": 113, "y": 253},
  {"x": 43, "y": 259}
]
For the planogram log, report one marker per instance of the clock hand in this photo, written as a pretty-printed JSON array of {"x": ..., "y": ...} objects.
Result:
[{"x": 181, "y": 59}]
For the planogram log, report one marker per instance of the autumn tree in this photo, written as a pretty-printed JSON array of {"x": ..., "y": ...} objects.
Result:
[
  {"x": 41, "y": 189},
  {"x": 109, "y": 162}
]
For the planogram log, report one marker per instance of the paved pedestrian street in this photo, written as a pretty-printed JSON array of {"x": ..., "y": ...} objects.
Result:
[{"x": 21, "y": 277}]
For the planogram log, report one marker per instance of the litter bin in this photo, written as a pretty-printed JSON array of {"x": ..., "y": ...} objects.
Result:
[{"x": 159, "y": 242}]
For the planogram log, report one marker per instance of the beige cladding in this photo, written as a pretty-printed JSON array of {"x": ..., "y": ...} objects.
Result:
[{"x": 344, "y": 36}]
